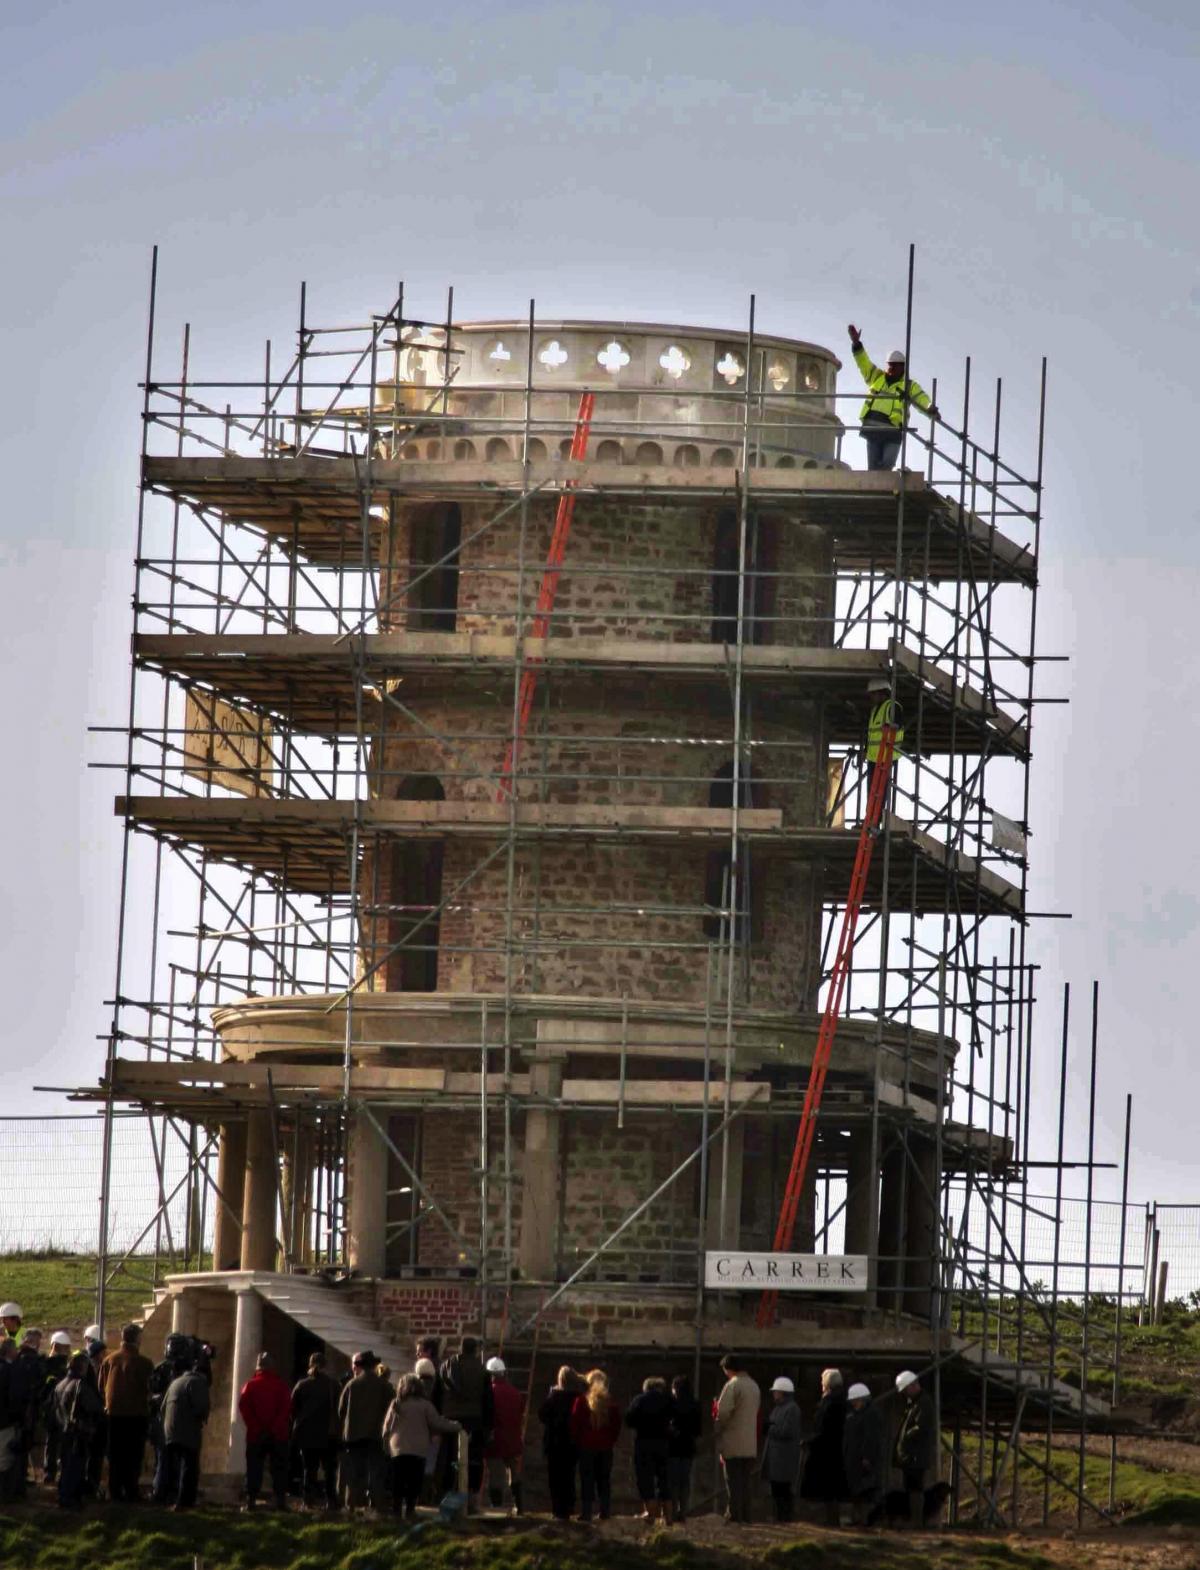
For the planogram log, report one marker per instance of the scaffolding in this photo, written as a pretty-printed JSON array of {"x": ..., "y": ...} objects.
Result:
[{"x": 288, "y": 667}]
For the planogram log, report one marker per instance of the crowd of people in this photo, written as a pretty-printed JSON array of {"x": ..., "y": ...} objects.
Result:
[
  {"x": 369, "y": 1443},
  {"x": 843, "y": 1455}
]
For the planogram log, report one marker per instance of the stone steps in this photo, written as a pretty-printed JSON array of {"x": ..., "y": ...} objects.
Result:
[{"x": 322, "y": 1310}]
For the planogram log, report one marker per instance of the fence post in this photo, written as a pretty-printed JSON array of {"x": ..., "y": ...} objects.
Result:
[
  {"x": 1161, "y": 1299},
  {"x": 1149, "y": 1268}
]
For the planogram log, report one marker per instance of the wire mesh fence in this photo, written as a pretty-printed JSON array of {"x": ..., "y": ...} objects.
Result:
[{"x": 50, "y": 1172}]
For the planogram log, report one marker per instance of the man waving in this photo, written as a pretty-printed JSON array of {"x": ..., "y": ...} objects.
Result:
[{"x": 889, "y": 393}]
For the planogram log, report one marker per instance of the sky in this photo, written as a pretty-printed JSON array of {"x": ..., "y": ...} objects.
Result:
[{"x": 658, "y": 162}]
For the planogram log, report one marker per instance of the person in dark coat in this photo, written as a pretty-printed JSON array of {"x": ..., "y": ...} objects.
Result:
[
  {"x": 185, "y": 1409},
  {"x": 57, "y": 1364},
  {"x": 781, "y": 1448},
  {"x": 362, "y": 1407},
  {"x": 176, "y": 1360},
  {"x": 682, "y": 1435},
  {"x": 558, "y": 1446},
  {"x": 314, "y": 1431},
  {"x": 916, "y": 1443},
  {"x": 467, "y": 1400},
  {"x": 8, "y": 1422},
  {"x": 429, "y": 1349},
  {"x": 78, "y": 1413},
  {"x": 26, "y": 1390},
  {"x": 96, "y": 1350},
  {"x": 864, "y": 1452},
  {"x": 649, "y": 1416},
  {"x": 824, "y": 1475}
]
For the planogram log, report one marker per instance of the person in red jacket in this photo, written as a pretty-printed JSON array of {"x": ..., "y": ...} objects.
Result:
[
  {"x": 595, "y": 1429},
  {"x": 505, "y": 1450},
  {"x": 265, "y": 1405}
]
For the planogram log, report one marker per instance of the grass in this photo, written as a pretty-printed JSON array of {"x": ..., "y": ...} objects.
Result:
[
  {"x": 58, "y": 1291},
  {"x": 1143, "y": 1495},
  {"x": 123, "y": 1540},
  {"x": 1146, "y": 1497}
]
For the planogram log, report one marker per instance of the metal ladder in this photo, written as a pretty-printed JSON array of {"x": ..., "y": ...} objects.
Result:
[
  {"x": 806, "y": 1133},
  {"x": 546, "y": 594}
]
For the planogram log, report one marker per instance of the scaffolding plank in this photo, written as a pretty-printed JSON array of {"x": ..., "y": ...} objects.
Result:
[
  {"x": 442, "y": 817},
  {"x": 305, "y": 843},
  {"x": 193, "y": 1082},
  {"x": 309, "y": 680},
  {"x": 318, "y": 508}
]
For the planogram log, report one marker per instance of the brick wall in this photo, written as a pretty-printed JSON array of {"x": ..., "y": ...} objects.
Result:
[
  {"x": 631, "y": 569},
  {"x": 605, "y": 1172},
  {"x": 611, "y": 753}
]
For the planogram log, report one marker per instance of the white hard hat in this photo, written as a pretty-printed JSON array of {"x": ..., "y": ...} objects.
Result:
[
  {"x": 495, "y": 1365},
  {"x": 905, "y": 1379},
  {"x": 896, "y": 354},
  {"x": 858, "y": 1393},
  {"x": 879, "y": 684},
  {"x": 93, "y": 1333},
  {"x": 11, "y": 1311},
  {"x": 784, "y": 1385},
  {"x": 423, "y": 1368},
  {"x": 60, "y": 1338}
]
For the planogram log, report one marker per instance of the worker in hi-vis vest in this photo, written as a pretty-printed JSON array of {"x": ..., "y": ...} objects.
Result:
[
  {"x": 889, "y": 392},
  {"x": 883, "y": 712}
]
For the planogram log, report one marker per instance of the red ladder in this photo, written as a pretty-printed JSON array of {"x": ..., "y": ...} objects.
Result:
[
  {"x": 546, "y": 594},
  {"x": 807, "y": 1131}
]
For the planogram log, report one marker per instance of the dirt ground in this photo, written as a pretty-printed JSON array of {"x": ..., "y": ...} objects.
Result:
[{"x": 1114, "y": 1548}]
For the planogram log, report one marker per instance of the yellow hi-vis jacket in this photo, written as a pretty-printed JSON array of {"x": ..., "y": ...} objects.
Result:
[
  {"x": 879, "y": 718},
  {"x": 887, "y": 398}
]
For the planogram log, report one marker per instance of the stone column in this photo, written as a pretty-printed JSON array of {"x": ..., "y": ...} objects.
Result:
[
  {"x": 184, "y": 1313},
  {"x": 259, "y": 1204},
  {"x": 247, "y": 1344},
  {"x": 537, "y": 1244},
  {"x": 366, "y": 1179},
  {"x": 804, "y": 1238},
  {"x": 302, "y": 1245},
  {"x": 890, "y": 1269},
  {"x": 923, "y": 1191},
  {"x": 858, "y": 1191},
  {"x": 723, "y": 1228},
  {"x": 231, "y": 1180}
]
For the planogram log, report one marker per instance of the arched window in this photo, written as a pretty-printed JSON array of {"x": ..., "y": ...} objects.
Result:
[
  {"x": 762, "y": 561},
  {"x": 434, "y": 538},
  {"x": 718, "y": 875},
  {"x": 414, "y": 891}
]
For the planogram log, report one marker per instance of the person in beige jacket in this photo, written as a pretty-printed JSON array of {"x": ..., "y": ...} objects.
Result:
[
  {"x": 409, "y": 1425},
  {"x": 737, "y": 1436}
]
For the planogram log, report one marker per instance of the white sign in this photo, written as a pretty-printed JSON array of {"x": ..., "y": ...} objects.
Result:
[
  {"x": 733, "y": 1272},
  {"x": 226, "y": 745},
  {"x": 1007, "y": 835}
]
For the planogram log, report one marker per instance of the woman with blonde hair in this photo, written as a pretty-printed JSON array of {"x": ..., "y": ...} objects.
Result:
[{"x": 595, "y": 1429}]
